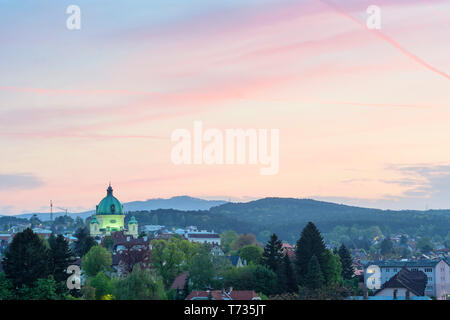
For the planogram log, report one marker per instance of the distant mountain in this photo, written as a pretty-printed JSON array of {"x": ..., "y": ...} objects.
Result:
[{"x": 184, "y": 203}]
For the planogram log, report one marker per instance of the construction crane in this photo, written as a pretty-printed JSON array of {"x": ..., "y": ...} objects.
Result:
[
  {"x": 63, "y": 209},
  {"x": 51, "y": 210}
]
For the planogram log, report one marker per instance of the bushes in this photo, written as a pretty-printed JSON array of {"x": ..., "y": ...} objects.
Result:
[{"x": 253, "y": 277}]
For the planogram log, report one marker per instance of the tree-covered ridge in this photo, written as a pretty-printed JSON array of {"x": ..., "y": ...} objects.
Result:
[
  {"x": 202, "y": 219},
  {"x": 285, "y": 216}
]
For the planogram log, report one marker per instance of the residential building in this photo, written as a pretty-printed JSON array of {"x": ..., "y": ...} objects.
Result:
[
  {"x": 405, "y": 283},
  {"x": 437, "y": 272},
  {"x": 204, "y": 237}
]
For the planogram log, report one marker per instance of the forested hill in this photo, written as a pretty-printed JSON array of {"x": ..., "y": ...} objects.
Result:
[{"x": 287, "y": 217}]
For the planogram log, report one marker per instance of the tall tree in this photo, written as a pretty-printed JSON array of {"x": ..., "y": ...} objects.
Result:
[
  {"x": 26, "y": 259},
  {"x": 60, "y": 257},
  {"x": 314, "y": 278},
  {"x": 96, "y": 260},
  {"x": 310, "y": 244},
  {"x": 227, "y": 238},
  {"x": 140, "y": 284},
  {"x": 42, "y": 289},
  {"x": 102, "y": 285},
  {"x": 6, "y": 288},
  {"x": 251, "y": 254},
  {"x": 333, "y": 269},
  {"x": 84, "y": 241},
  {"x": 201, "y": 270},
  {"x": 35, "y": 221},
  {"x": 288, "y": 276},
  {"x": 167, "y": 259},
  {"x": 243, "y": 240},
  {"x": 386, "y": 246},
  {"x": 347, "y": 262},
  {"x": 273, "y": 253},
  {"x": 252, "y": 277}
]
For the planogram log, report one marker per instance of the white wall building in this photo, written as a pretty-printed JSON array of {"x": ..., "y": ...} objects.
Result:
[
  {"x": 203, "y": 237},
  {"x": 437, "y": 271}
]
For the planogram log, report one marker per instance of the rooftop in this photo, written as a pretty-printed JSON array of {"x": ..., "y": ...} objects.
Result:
[
  {"x": 414, "y": 281},
  {"x": 387, "y": 298},
  {"x": 409, "y": 263}
]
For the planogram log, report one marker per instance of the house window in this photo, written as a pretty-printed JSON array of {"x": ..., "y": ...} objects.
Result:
[
  {"x": 387, "y": 270},
  {"x": 428, "y": 270},
  {"x": 395, "y": 269}
]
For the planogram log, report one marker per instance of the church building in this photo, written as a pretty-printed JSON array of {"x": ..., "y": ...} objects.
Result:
[{"x": 109, "y": 217}]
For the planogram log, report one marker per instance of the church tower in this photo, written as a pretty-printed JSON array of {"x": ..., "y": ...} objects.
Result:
[
  {"x": 109, "y": 216},
  {"x": 133, "y": 227},
  {"x": 94, "y": 227}
]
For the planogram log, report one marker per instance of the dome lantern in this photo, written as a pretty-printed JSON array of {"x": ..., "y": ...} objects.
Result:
[{"x": 109, "y": 204}]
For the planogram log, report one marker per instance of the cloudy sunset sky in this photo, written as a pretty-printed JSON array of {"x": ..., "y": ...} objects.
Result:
[{"x": 364, "y": 115}]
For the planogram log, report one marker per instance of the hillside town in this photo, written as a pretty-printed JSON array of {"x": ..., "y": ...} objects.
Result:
[{"x": 195, "y": 264}]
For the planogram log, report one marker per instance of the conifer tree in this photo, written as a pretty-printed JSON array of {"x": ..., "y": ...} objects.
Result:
[
  {"x": 84, "y": 242},
  {"x": 273, "y": 253},
  {"x": 26, "y": 259},
  {"x": 310, "y": 244},
  {"x": 333, "y": 269},
  {"x": 347, "y": 262},
  {"x": 314, "y": 278},
  {"x": 288, "y": 276},
  {"x": 60, "y": 257}
]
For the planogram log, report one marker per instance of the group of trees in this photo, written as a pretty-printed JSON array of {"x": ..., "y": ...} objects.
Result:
[
  {"x": 102, "y": 284},
  {"x": 314, "y": 272},
  {"x": 66, "y": 222},
  {"x": 34, "y": 268},
  {"x": 320, "y": 270}
]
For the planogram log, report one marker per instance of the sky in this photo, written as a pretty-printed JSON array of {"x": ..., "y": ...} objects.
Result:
[{"x": 362, "y": 114}]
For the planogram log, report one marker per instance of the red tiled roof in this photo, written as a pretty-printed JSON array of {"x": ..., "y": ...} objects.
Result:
[{"x": 179, "y": 282}]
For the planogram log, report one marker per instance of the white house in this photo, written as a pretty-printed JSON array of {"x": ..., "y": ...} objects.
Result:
[
  {"x": 203, "y": 237},
  {"x": 437, "y": 272}
]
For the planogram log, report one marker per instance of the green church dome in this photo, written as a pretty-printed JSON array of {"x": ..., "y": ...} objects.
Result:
[
  {"x": 133, "y": 220},
  {"x": 109, "y": 204}
]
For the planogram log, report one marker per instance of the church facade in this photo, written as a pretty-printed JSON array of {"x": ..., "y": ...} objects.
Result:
[{"x": 109, "y": 217}]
